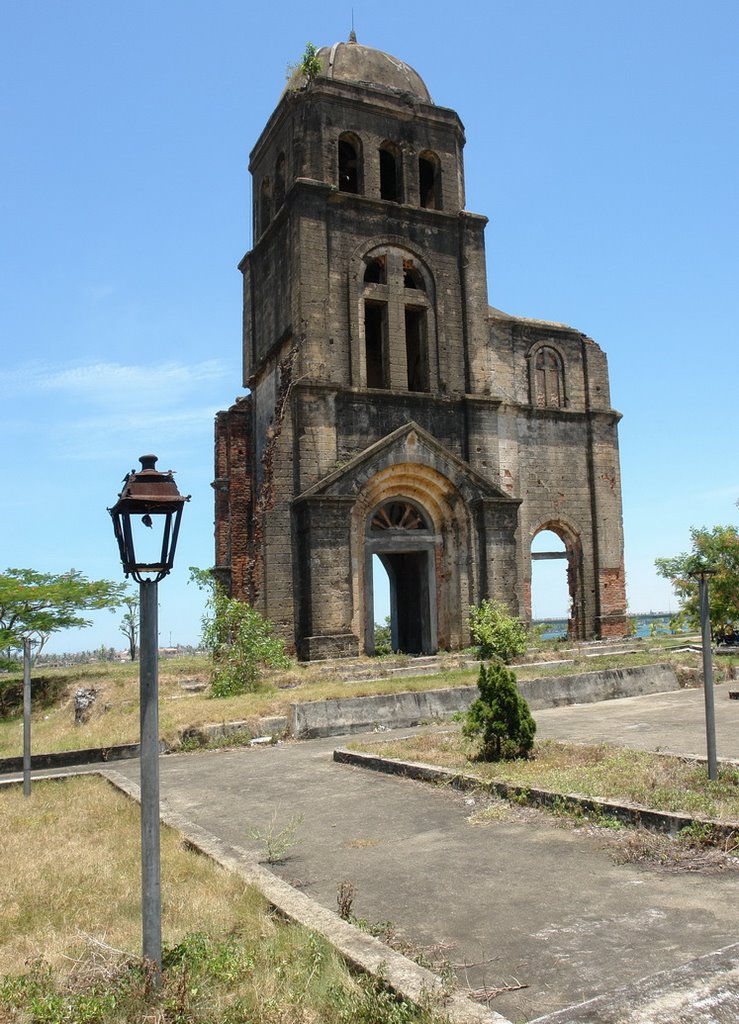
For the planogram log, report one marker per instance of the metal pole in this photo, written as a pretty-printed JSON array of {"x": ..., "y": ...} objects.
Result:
[
  {"x": 708, "y": 678},
  {"x": 26, "y": 718},
  {"x": 151, "y": 900}
]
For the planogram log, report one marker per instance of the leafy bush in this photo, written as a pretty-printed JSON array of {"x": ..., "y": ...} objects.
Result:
[
  {"x": 495, "y": 632},
  {"x": 310, "y": 65},
  {"x": 500, "y": 715},
  {"x": 238, "y": 638},
  {"x": 383, "y": 637}
]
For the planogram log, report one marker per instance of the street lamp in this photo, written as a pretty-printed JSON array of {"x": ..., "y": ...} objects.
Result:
[
  {"x": 146, "y": 522},
  {"x": 701, "y": 572}
]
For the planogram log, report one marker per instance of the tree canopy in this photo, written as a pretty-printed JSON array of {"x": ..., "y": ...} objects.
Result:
[
  {"x": 33, "y": 604},
  {"x": 238, "y": 637},
  {"x": 717, "y": 551}
]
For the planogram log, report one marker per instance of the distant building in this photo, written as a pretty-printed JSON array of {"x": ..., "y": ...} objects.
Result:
[{"x": 392, "y": 411}]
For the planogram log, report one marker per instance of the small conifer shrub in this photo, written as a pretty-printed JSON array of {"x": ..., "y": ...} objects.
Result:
[{"x": 500, "y": 716}]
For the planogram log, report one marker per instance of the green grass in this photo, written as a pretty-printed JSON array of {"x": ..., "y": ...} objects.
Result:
[
  {"x": 601, "y": 771},
  {"x": 70, "y": 929}
]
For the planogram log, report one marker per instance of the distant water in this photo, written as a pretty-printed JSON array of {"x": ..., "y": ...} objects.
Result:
[{"x": 555, "y": 628}]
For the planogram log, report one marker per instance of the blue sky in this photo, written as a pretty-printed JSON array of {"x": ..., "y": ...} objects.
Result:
[{"x": 601, "y": 143}]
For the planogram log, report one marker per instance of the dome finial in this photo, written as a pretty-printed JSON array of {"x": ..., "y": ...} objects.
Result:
[{"x": 352, "y": 34}]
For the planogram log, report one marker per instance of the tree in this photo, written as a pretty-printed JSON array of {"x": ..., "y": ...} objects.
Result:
[
  {"x": 129, "y": 624},
  {"x": 496, "y": 633},
  {"x": 717, "y": 550},
  {"x": 239, "y": 638},
  {"x": 384, "y": 637},
  {"x": 500, "y": 716},
  {"x": 33, "y": 604}
]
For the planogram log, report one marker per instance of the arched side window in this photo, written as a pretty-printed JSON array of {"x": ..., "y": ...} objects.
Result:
[
  {"x": 350, "y": 163},
  {"x": 265, "y": 205},
  {"x": 279, "y": 190},
  {"x": 396, "y": 321},
  {"x": 391, "y": 187},
  {"x": 429, "y": 181},
  {"x": 547, "y": 382}
]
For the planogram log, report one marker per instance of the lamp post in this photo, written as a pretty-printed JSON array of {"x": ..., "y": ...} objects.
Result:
[
  {"x": 149, "y": 497},
  {"x": 701, "y": 573}
]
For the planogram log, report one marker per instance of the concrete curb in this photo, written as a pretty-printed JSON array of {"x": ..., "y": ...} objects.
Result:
[
  {"x": 408, "y": 708},
  {"x": 69, "y": 758},
  {"x": 630, "y": 814},
  {"x": 361, "y": 950}
]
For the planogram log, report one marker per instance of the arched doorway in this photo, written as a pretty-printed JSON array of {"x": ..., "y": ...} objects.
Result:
[
  {"x": 556, "y": 574},
  {"x": 399, "y": 532},
  {"x": 551, "y": 600}
]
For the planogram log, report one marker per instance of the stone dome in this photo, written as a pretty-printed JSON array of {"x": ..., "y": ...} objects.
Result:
[{"x": 363, "y": 65}]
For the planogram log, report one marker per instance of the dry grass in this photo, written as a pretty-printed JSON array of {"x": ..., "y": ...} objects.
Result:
[
  {"x": 70, "y": 929},
  {"x": 71, "y": 870},
  {"x": 114, "y": 719},
  {"x": 603, "y": 771},
  {"x": 115, "y": 716}
]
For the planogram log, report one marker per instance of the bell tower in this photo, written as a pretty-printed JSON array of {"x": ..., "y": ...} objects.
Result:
[{"x": 386, "y": 399}]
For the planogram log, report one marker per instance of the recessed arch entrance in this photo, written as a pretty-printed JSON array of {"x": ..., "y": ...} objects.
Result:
[
  {"x": 558, "y": 543},
  {"x": 399, "y": 532}
]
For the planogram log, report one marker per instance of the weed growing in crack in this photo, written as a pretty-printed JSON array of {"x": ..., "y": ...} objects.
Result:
[{"x": 277, "y": 840}]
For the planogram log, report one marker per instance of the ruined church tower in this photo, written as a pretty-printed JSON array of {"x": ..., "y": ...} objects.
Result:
[{"x": 391, "y": 411}]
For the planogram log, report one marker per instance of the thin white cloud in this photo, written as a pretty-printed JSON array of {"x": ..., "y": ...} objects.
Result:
[
  {"x": 101, "y": 383},
  {"x": 119, "y": 435},
  {"x": 88, "y": 411}
]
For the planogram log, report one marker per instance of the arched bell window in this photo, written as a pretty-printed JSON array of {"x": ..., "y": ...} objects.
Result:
[
  {"x": 350, "y": 163},
  {"x": 429, "y": 181},
  {"x": 390, "y": 173},
  {"x": 279, "y": 190},
  {"x": 265, "y": 205}
]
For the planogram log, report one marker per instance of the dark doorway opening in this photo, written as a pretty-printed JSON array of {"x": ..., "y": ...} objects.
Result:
[
  {"x": 400, "y": 537},
  {"x": 408, "y": 574}
]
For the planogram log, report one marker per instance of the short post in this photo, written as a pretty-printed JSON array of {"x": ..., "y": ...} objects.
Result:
[
  {"x": 151, "y": 897},
  {"x": 26, "y": 717},
  {"x": 707, "y": 675}
]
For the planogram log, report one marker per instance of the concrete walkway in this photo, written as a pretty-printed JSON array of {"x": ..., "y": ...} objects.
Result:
[{"x": 522, "y": 902}]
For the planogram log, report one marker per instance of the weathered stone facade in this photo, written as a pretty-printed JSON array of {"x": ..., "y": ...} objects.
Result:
[{"x": 391, "y": 410}]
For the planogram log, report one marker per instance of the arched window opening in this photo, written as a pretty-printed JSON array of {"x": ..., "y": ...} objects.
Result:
[
  {"x": 429, "y": 181},
  {"x": 398, "y": 515},
  {"x": 416, "y": 349},
  {"x": 375, "y": 344},
  {"x": 390, "y": 178},
  {"x": 375, "y": 272},
  {"x": 265, "y": 205},
  {"x": 548, "y": 379},
  {"x": 350, "y": 164},
  {"x": 279, "y": 191},
  {"x": 398, "y": 319},
  {"x": 551, "y": 597},
  {"x": 412, "y": 277}
]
